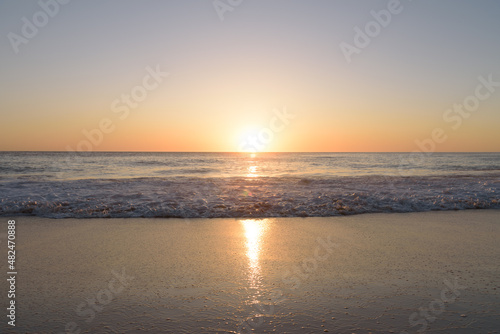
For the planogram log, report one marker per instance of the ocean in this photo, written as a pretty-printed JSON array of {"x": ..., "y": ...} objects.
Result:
[{"x": 210, "y": 185}]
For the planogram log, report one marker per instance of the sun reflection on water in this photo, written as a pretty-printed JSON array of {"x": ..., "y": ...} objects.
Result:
[{"x": 252, "y": 171}]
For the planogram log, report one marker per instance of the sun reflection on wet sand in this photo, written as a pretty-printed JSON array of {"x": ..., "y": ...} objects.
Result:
[{"x": 254, "y": 231}]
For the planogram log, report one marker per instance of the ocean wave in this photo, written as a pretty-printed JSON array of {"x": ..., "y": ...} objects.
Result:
[
  {"x": 20, "y": 169},
  {"x": 198, "y": 197},
  {"x": 185, "y": 171},
  {"x": 152, "y": 163}
]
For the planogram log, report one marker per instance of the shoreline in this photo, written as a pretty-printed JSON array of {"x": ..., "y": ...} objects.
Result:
[
  {"x": 369, "y": 272},
  {"x": 7, "y": 217}
]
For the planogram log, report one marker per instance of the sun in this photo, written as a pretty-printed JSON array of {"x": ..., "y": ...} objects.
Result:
[{"x": 250, "y": 141}]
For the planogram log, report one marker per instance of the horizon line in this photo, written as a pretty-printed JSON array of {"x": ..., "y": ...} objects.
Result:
[{"x": 59, "y": 151}]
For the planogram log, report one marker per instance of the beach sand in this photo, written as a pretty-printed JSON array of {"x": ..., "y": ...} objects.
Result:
[{"x": 379, "y": 273}]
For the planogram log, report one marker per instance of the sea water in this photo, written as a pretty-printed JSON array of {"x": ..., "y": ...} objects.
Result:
[{"x": 191, "y": 185}]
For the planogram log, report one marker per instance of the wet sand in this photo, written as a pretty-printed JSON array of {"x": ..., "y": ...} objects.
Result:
[{"x": 379, "y": 273}]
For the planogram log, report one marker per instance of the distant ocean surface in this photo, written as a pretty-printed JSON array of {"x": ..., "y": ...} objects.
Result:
[{"x": 191, "y": 185}]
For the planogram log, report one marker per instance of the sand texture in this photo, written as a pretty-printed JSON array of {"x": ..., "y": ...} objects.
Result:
[{"x": 379, "y": 273}]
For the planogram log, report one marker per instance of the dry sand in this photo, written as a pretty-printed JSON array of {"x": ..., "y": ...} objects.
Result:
[{"x": 379, "y": 273}]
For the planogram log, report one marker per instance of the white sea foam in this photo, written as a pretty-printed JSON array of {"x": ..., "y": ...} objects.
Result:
[
  {"x": 193, "y": 185},
  {"x": 243, "y": 197}
]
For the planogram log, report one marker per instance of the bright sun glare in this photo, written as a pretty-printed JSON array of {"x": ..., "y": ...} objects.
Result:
[{"x": 249, "y": 141}]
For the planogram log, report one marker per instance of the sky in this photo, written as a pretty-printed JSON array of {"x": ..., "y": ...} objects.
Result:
[{"x": 250, "y": 75}]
